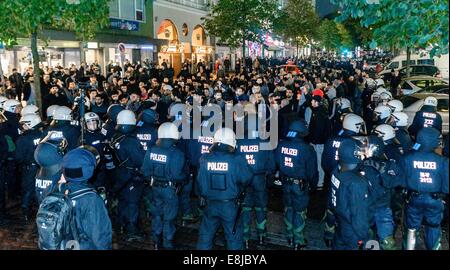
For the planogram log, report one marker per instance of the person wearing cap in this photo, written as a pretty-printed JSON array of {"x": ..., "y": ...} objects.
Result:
[
  {"x": 297, "y": 163},
  {"x": 426, "y": 117},
  {"x": 426, "y": 179},
  {"x": 319, "y": 131},
  {"x": 91, "y": 216},
  {"x": 165, "y": 168},
  {"x": 223, "y": 175},
  {"x": 349, "y": 199}
]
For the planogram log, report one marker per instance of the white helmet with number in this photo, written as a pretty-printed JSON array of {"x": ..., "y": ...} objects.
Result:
[
  {"x": 385, "y": 132},
  {"x": 51, "y": 111},
  {"x": 168, "y": 131},
  {"x": 29, "y": 109},
  {"x": 225, "y": 136},
  {"x": 355, "y": 123},
  {"x": 63, "y": 113},
  {"x": 379, "y": 82},
  {"x": 126, "y": 117},
  {"x": 30, "y": 120},
  {"x": 431, "y": 101},
  {"x": 11, "y": 105},
  {"x": 395, "y": 105},
  {"x": 400, "y": 119},
  {"x": 382, "y": 112},
  {"x": 344, "y": 103},
  {"x": 91, "y": 117}
]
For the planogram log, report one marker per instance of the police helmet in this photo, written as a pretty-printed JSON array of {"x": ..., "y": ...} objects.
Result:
[
  {"x": 225, "y": 136},
  {"x": 379, "y": 82},
  {"x": 343, "y": 103},
  {"x": 57, "y": 139},
  {"x": 149, "y": 116},
  {"x": 395, "y": 105},
  {"x": 113, "y": 111},
  {"x": 168, "y": 131},
  {"x": 11, "y": 105},
  {"x": 92, "y": 121},
  {"x": 126, "y": 121},
  {"x": 51, "y": 111},
  {"x": 79, "y": 165},
  {"x": 371, "y": 84},
  {"x": 30, "y": 120},
  {"x": 354, "y": 123},
  {"x": 49, "y": 157},
  {"x": 63, "y": 113},
  {"x": 382, "y": 112},
  {"x": 385, "y": 132},
  {"x": 385, "y": 97},
  {"x": 350, "y": 152},
  {"x": 29, "y": 109},
  {"x": 298, "y": 128},
  {"x": 430, "y": 101},
  {"x": 399, "y": 119}
]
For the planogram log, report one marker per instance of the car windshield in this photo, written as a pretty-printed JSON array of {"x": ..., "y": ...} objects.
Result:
[{"x": 408, "y": 100}]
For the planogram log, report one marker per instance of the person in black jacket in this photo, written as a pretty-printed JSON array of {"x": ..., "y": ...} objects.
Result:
[
  {"x": 319, "y": 131},
  {"x": 54, "y": 97}
]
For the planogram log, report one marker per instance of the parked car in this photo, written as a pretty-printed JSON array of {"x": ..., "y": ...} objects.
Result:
[
  {"x": 438, "y": 89},
  {"x": 414, "y": 103},
  {"x": 415, "y": 70},
  {"x": 414, "y": 84}
]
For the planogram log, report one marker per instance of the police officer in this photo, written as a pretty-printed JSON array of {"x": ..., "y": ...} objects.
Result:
[
  {"x": 223, "y": 174},
  {"x": 426, "y": 175},
  {"x": 262, "y": 164},
  {"x": 165, "y": 167},
  {"x": 383, "y": 175},
  {"x": 29, "y": 109},
  {"x": 341, "y": 108},
  {"x": 399, "y": 120},
  {"x": 350, "y": 199},
  {"x": 109, "y": 127},
  {"x": 426, "y": 117},
  {"x": 48, "y": 155},
  {"x": 90, "y": 214},
  {"x": 381, "y": 115},
  {"x": 128, "y": 184},
  {"x": 146, "y": 131},
  {"x": 50, "y": 113},
  {"x": 3, "y": 156},
  {"x": 61, "y": 125},
  {"x": 27, "y": 142},
  {"x": 297, "y": 163}
]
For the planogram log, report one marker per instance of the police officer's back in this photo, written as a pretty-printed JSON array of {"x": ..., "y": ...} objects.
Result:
[
  {"x": 426, "y": 117},
  {"x": 146, "y": 130}
]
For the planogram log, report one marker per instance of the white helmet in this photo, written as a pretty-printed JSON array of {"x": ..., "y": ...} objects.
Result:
[
  {"x": 385, "y": 97},
  {"x": 29, "y": 109},
  {"x": 379, "y": 82},
  {"x": 30, "y": 120},
  {"x": 2, "y": 100},
  {"x": 344, "y": 103},
  {"x": 126, "y": 117},
  {"x": 51, "y": 110},
  {"x": 89, "y": 118},
  {"x": 168, "y": 130},
  {"x": 395, "y": 105},
  {"x": 225, "y": 136},
  {"x": 63, "y": 113},
  {"x": 354, "y": 123},
  {"x": 371, "y": 84},
  {"x": 400, "y": 119},
  {"x": 10, "y": 105},
  {"x": 431, "y": 101},
  {"x": 382, "y": 111},
  {"x": 385, "y": 132}
]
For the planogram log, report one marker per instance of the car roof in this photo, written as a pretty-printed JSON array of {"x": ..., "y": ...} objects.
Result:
[
  {"x": 424, "y": 95},
  {"x": 420, "y": 66},
  {"x": 421, "y": 77}
]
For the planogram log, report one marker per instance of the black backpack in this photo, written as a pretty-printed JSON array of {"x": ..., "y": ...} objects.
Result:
[{"x": 55, "y": 220}]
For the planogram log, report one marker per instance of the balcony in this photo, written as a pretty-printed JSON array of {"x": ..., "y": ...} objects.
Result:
[{"x": 197, "y": 4}]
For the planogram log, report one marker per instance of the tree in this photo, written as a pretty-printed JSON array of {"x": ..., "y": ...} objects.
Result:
[
  {"x": 298, "y": 21},
  {"x": 409, "y": 24},
  {"x": 238, "y": 21},
  {"x": 27, "y": 18},
  {"x": 334, "y": 36}
]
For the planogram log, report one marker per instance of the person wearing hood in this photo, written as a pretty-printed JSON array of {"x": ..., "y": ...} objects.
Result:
[
  {"x": 90, "y": 214},
  {"x": 128, "y": 184},
  {"x": 62, "y": 126},
  {"x": 297, "y": 163},
  {"x": 426, "y": 175},
  {"x": 165, "y": 168},
  {"x": 426, "y": 117}
]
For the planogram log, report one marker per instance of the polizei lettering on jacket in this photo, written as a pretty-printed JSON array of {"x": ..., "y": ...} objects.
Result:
[
  {"x": 289, "y": 151},
  {"x": 158, "y": 157},
  {"x": 218, "y": 166},
  {"x": 43, "y": 184},
  {"x": 249, "y": 148},
  {"x": 203, "y": 139},
  {"x": 427, "y": 165}
]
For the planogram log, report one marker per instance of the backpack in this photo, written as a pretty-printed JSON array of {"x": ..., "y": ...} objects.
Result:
[{"x": 55, "y": 220}]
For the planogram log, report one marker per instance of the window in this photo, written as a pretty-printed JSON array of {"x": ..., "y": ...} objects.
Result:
[
  {"x": 442, "y": 105},
  {"x": 127, "y": 10},
  {"x": 393, "y": 65},
  {"x": 411, "y": 62},
  {"x": 425, "y": 62}
]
